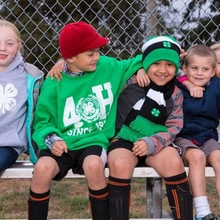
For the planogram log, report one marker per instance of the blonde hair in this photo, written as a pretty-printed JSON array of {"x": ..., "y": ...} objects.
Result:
[
  {"x": 200, "y": 50},
  {"x": 5, "y": 23},
  {"x": 215, "y": 47}
]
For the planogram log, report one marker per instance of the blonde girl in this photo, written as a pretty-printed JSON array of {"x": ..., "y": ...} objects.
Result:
[{"x": 19, "y": 87}]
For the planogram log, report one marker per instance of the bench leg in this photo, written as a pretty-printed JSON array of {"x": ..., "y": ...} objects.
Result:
[{"x": 154, "y": 197}]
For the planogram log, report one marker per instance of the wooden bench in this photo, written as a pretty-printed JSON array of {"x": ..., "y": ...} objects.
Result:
[{"x": 24, "y": 169}]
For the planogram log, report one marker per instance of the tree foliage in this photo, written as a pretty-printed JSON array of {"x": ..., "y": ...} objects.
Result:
[
  {"x": 126, "y": 23},
  {"x": 206, "y": 28}
]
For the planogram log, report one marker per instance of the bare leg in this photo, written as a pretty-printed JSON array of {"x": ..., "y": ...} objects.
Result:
[
  {"x": 214, "y": 161},
  {"x": 197, "y": 162}
]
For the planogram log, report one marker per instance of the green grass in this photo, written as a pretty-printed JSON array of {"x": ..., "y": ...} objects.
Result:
[{"x": 69, "y": 198}]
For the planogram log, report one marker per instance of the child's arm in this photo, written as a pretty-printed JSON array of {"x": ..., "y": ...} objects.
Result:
[
  {"x": 45, "y": 118},
  {"x": 142, "y": 78},
  {"x": 182, "y": 53},
  {"x": 55, "y": 144},
  {"x": 56, "y": 70},
  {"x": 195, "y": 91}
]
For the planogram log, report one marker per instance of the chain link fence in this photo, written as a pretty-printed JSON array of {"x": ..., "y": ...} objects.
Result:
[{"x": 125, "y": 22}]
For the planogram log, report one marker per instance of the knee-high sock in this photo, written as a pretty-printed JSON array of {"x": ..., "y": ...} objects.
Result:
[
  {"x": 179, "y": 196},
  {"x": 119, "y": 198},
  {"x": 38, "y": 205},
  {"x": 99, "y": 204}
]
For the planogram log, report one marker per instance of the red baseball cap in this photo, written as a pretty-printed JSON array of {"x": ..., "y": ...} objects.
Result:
[{"x": 78, "y": 37}]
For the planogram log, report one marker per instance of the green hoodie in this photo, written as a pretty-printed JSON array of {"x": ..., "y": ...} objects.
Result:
[{"x": 82, "y": 110}]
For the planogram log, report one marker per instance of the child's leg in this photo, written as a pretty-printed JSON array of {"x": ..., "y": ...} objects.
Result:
[
  {"x": 179, "y": 196},
  {"x": 169, "y": 165},
  {"x": 214, "y": 161},
  {"x": 197, "y": 162},
  {"x": 119, "y": 182},
  {"x": 44, "y": 171},
  {"x": 98, "y": 191},
  {"x": 8, "y": 156}
]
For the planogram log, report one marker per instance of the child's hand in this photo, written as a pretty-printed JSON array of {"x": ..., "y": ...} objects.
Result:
[
  {"x": 56, "y": 70},
  {"x": 195, "y": 91},
  {"x": 142, "y": 78},
  {"x": 182, "y": 53},
  {"x": 59, "y": 147},
  {"x": 140, "y": 148}
]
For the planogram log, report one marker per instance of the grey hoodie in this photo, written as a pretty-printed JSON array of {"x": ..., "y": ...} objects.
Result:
[{"x": 18, "y": 83}]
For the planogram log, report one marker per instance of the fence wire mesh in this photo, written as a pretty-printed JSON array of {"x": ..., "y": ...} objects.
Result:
[{"x": 127, "y": 23}]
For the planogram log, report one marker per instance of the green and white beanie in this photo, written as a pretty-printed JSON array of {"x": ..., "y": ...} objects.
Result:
[{"x": 161, "y": 48}]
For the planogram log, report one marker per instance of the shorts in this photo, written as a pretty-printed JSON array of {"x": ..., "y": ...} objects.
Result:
[
  {"x": 208, "y": 147},
  {"x": 73, "y": 159},
  {"x": 121, "y": 143}
]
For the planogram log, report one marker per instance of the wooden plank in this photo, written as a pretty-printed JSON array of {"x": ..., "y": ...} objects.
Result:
[{"x": 24, "y": 169}]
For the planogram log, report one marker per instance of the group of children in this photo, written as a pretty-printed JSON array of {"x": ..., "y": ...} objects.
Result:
[{"x": 167, "y": 123}]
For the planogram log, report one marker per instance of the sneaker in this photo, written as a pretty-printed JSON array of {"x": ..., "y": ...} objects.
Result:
[{"x": 210, "y": 216}]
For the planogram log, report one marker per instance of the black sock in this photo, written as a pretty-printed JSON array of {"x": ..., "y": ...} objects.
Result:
[
  {"x": 38, "y": 205},
  {"x": 179, "y": 196},
  {"x": 99, "y": 203},
  {"x": 119, "y": 198}
]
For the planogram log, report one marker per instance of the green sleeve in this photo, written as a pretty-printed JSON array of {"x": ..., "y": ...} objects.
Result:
[
  {"x": 45, "y": 113},
  {"x": 131, "y": 67}
]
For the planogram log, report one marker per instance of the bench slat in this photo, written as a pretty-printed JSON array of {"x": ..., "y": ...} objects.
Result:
[{"x": 24, "y": 169}]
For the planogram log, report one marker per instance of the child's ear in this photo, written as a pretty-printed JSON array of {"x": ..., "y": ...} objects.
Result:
[
  {"x": 71, "y": 60},
  {"x": 184, "y": 68},
  {"x": 213, "y": 72},
  {"x": 19, "y": 46}
]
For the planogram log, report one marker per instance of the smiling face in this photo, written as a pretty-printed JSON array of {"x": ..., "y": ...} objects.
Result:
[
  {"x": 199, "y": 70},
  {"x": 9, "y": 46},
  {"x": 161, "y": 72},
  {"x": 84, "y": 62}
]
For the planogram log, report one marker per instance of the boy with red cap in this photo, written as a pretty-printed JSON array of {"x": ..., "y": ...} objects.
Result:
[{"x": 75, "y": 118}]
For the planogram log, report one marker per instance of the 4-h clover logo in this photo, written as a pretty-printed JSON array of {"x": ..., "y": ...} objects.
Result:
[
  {"x": 166, "y": 44},
  {"x": 7, "y": 100},
  {"x": 155, "y": 112},
  {"x": 89, "y": 108}
]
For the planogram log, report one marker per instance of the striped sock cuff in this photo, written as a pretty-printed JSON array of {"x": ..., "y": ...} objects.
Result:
[
  {"x": 119, "y": 182},
  {"x": 98, "y": 194},
  {"x": 176, "y": 180},
  {"x": 39, "y": 196}
]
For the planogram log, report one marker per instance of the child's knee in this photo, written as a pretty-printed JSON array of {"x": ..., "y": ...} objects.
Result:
[
  {"x": 176, "y": 163},
  {"x": 43, "y": 169},
  {"x": 94, "y": 165},
  {"x": 196, "y": 156}
]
